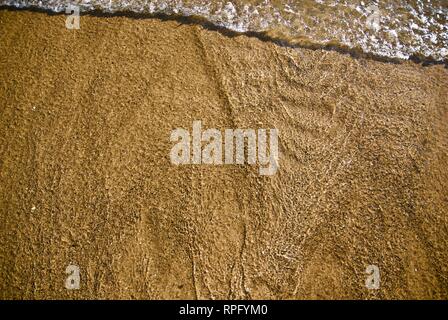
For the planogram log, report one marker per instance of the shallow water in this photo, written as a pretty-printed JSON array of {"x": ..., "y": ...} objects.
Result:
[{"x": 393, "y": 28}]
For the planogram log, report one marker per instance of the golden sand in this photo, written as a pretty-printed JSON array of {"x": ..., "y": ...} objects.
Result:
[{"x": 86, "y": 178}]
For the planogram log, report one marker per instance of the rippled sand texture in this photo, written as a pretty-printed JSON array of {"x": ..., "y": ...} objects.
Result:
[
  {"x": 391, "y": 28},
  {"x": 85, "y": 176}
]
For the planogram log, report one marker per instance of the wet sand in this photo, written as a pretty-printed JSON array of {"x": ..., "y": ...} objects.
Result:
[{"x": 86, "y": 178}]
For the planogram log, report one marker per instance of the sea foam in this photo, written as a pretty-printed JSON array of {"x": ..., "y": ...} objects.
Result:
[{"x": 394, "y": 28}]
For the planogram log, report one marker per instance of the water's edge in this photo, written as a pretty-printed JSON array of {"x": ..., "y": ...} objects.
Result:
[{"x": 263, "y": 36}]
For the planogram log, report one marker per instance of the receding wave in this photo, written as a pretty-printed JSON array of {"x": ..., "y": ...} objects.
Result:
[{"x": 392, "y": 29}]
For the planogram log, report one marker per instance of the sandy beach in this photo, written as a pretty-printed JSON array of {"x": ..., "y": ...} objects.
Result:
[{"x": 86, "y": 177}]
